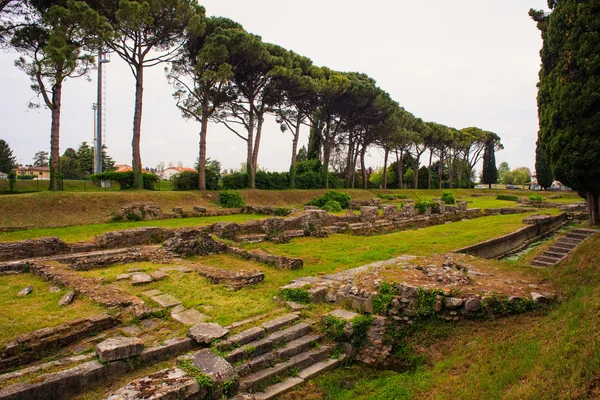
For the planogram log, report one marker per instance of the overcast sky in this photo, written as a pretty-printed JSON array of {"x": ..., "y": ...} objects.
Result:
[{"x": 461, "y": 63}]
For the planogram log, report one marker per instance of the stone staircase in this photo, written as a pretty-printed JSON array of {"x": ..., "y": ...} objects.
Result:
[
  {"x": 258, "y": 363},
  {"x": 563, "y": 247}
]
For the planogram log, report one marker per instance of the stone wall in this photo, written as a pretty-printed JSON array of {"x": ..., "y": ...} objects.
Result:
[
  {"x": 28, "y": 347},
  {"x": 502, "y": 245},
  {"x": 32, "y": 248},
  {"x": 133, "y": 237}
]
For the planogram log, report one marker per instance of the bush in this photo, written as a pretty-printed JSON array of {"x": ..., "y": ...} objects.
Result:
[
  {"x": 309, "y": 180},
  {"x": 282, "y": 211},
  {"x": 536, "y": 198},
  {"x": 187, "y": 180},
  {"x": 448, "y": 198},
  {"x": 303, "y": 167},
  {"x": 12, "y": 180},
  {"x": 231, "y": 199},
  {"x": 272, "y": 180},
  {"x": 25, "y": 177},
  {"x": 235, "y": 181},
  {"x": 332, "y": 206},
  {"x": 342, "y": 198},
  {"x": 507, "y": 197},
  {"x": 125, "y": 179},
  {"x": 422, "y": 205}
]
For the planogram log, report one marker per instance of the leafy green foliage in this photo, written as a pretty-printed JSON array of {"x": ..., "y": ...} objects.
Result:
[
  {"x": 490, "y": 172},
  {"x": 188, "y": 180},
  {"x": 422, "y": 205},
  {"x": 332, "y": 206},
  {"x": 231, "y": 199},
  {"x": 299, "y": 295},
  {"x": 235, "y": 181},
  {"x": 12, "y": 180},
  {"x": 342, "y": 198},
  {"x": 335, "y": 329},
  {"x": 383, "y": 300},
  {"x": 536, "y": 199},
  {"x": 309, "y": 180},
  {"x": 448, "y": 198},
  {"x": 272, "y": 180},
  {"x": 202, "y": 379},
  {"x": 507, "y": 197},
  {"x": 426, "y": 301},
  {"x": 125, "y": 179},
  {"x": 543, "y": 171}
]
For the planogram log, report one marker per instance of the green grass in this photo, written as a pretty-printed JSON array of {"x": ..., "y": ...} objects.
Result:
[
  {"x": 77, "y": 233},
  {"x": 37, "y": 310},
  {"x": 555, "y": 355},
  {"x": 321, "y": 256}
]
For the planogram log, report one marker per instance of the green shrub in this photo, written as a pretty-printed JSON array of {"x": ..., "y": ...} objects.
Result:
[
  {"x": 422, "y": 205},
  {"x": 313, "y": 165},
  {"x": 536, "y": 199},
  {"x": 187, "y": 180},
  {"x": 308, "y": 180},
  {"x": 12, "y": 180},
  {"x": 235, "y": 181},
  {"x": 332, "y": 206},
  {"x": 272, "y": 180},
  {"x": 507, "y": 197},
  {"x": 332, "y": 195},
  {"x": 448, "y": 198},
  {"x": 282, "y": 211},
  {"x": 125, "y": 179},
  {"x": 299, "y": 295},
  {"x": 25, "y": 177},
  {"x": 231, "y": 199}
]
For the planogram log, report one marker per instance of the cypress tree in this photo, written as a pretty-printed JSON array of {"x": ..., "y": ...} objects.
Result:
[
  {"x": 490, "y": 172},
  {"x": 542, "y": 168}
]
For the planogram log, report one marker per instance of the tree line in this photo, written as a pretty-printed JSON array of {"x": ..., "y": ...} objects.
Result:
[{"x": 222, "y": 73}]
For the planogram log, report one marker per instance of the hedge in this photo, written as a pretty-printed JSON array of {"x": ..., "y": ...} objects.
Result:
[{"x": 125, "y": 179}]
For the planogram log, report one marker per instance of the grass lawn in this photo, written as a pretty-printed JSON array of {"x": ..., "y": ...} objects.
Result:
[
  {"x": 552, "y": 355},
  {"x": 321, "y": 256},
  {"x": 37, "y": 310},
  {"x": 77, "y": 233}
]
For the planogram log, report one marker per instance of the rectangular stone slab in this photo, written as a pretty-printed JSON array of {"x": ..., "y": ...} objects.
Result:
[
  {"x": 119, "y": 348},
  {"x": 166, "y": 384},
  {"x": 166, "y": 300}
]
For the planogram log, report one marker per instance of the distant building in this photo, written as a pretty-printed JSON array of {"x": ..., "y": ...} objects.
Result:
[
  {"x": 35, "y": 172},
  {"x": 172, "y": 171},
  {"x": 122, "y": 168},
  {"x": 3, "y": 175}
]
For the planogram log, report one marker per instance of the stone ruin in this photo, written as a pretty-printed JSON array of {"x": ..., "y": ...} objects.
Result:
[{"x": 147, "y": 211}]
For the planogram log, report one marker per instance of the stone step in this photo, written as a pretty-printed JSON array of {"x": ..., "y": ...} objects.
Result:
[
  {"x": 568, "y": 240},
  {"x": 554, "y": 254},
  {"x": 261, "y": 379},
  {"x": 559, "y": 250},
  {"x": 319, "y": 368},
  {"x": 552, "y": 260},
  {"x": 281, "y": 322},
  {"x": 267, "y": 344},
  {"x": 180, "y": 386},
  {"x": 584, "y": 231},
  {"x": 257, "y": 238},
  {"x": 278, "y": 389},
  {"x": 539, "y": 263},
  {"x": 577, "y": 236},
  {"x": 566, "y": 246}
]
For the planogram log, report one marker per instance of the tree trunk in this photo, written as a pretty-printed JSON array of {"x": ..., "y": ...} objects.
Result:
[
  {"x": 416, "y": 177},
  {"x": 54, "y": 137},
  {"x": 363, "y": 167},
  {"x": 429, "y": 169},
  {"x": 385, "y": 161},
  {"x": 326, "y": 154},
  {"x": 451, "y": 170},
  {"x": 202, "y": 155},
  {"x": 441, "y": 170},
  {"x": 294, "y": 153},
  {"x": 354, "y": 161},
  {"x": 138, "y": 182},
  {"x": 400, "y": 168},
  {"x": 349, "y": 167},
  {"x": 250, "y": 144},
  {"x": 259, "y": 126},
  {"x": 593, "y": 201}
]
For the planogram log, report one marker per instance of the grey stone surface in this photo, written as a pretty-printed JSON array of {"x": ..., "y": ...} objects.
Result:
[
  {"x": 538, "y": 298},
  {"x": 472, "y": 305},
  {"x": 123, "y": 277},
  {"x": 318, "y": 368},
  {"x": 25, "y": 291},
  {"x": 295, "y": 306},
  {"x": 216, "y": 368},
  {"x": 54, "y": 289},
  {"x": 247, "y": 336},
  {"x": 278, "y": 323},
  {"x": 158, "y": 275},
  {"x": 344, "y": 315},
  {"x": 188, "y": 316},
  {"x": 131, "y": 330},
  {"x": 168, "y": 384},
  {"x": 200, "y": 209},
  {"x": 140, "y": 278},
  {"x": 278, "y": 389},
  {"x": 453, "y": 302},
  {"x": 166, "y": 300},
  {"x": 204, "y": 333},
  {"x": 67, "y": 298},
  {"x": 119, "y": 349}
]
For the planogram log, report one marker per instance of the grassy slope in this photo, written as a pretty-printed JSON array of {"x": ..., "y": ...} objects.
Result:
[
  {"x": 555, "y": 355},
  {"x": 47, "y": 209}
]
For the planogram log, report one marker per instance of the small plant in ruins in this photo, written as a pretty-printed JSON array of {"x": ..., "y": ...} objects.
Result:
[
  {"x": 448, "y": 198},
  {"x": 422, "y": 205},
  {"x": 332, "y": 206},
  {"x": 536, "y": 199},
  {"x": 332, "y": 195},
  {"x": 231, "y": 199}
]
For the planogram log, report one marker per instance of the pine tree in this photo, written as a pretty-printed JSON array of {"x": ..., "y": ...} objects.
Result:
[{"x": 7, "y": 160}]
